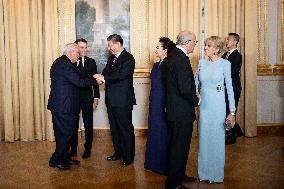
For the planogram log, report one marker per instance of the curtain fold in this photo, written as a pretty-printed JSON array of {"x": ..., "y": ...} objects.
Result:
[
  {"x": 32, "y": 34},
  {"x": 152, "y": 19},
  {"x": 2, "y": 62}
]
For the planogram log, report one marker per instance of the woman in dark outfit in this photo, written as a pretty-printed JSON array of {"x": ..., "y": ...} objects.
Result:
[{"x": 158, "y": 137}]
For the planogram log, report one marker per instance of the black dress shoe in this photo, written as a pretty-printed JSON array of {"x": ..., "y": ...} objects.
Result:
[
  {"x": 52, "y": 164},
  {"x": 86, "y": 154},
  {"x": 59, "y": 166},
  {"x": 181, "y": 187},
  {"x": 188, "y": 179},
  {"x": 230, "y": 140},
  {"x": 74, "y": 162},
  {"x": 126, "y": 163},
  {"x": 72, "y": 153},
  {"x": 63, "y": 167},
  {"x": 113, "y": 157}
]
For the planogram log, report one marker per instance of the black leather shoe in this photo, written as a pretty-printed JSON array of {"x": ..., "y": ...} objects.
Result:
[
  {"x": 181, "y": 187},
  {"x": 74, "y": 162},
  {"x": 52, "y": 164},
  {"x": 62, "y": 167},
  {"x": 188, "y": 179},
  {"x": 72, "y": 153},
  {"x": 230, "y": 140},
  {"x": 113, "y": 157},
  {"x": 86, "y": 154},
  {"x": 126, "y": 163}
]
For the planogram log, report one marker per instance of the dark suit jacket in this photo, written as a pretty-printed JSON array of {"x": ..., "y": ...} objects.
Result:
[
  {"x": 180, "y": 87},
  {"x": 87, "y": 94},
  {"x": 236, "y": 63},
  {"x": 65, "y": 83},
  {"x": 119, "y": 89}
]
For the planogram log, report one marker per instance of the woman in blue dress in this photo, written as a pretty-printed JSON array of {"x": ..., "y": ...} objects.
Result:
[
  {"x": 158, "y": 137},
  {"x": 213, "y": 74}
]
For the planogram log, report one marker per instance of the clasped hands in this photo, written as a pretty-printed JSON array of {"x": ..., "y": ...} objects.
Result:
[{"x": 100, "y": 78}]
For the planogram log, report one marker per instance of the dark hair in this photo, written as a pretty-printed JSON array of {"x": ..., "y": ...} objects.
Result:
[
  {"x": 81, "y": 40},
  {"x": 115, "y": 38},
  {"x": 167, "y": 44},
  {"x": 235, "y": 36}
]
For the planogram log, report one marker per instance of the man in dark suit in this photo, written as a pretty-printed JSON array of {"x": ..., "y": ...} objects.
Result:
[
  {"x": 181, "y": 100},
  {"x": 89, "y": 98},
  {"x": 63, "y": 103},
  {"x": 119, "y": 99},
  {"x": 235, "y": 58}
]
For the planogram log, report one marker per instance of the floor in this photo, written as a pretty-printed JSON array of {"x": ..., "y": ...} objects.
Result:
[{"x": 251, "y": 163}]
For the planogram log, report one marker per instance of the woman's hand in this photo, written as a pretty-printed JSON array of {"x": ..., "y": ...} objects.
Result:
[
  {"x": 231, "y": 119},
  {"x": 199, "y": 97}
]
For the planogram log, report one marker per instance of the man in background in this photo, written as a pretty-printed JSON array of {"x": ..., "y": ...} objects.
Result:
[
  {"x": 89, "y": 98},
  {"x": 235, "y": 58}
]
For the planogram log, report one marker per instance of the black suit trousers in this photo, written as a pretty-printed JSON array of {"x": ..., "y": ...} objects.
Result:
[
  {"x": 181, "y": 132},
  {"x": 122, "y": 131},
  {"x": 63, "y": 125},
  {"x": 87, "y": 114}
]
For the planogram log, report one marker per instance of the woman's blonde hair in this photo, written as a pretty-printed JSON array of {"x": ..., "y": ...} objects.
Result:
[{"x": 217, "y": 42}]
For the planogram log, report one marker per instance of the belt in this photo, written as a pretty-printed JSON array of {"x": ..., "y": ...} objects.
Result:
[{"x": 217, "y": 88}]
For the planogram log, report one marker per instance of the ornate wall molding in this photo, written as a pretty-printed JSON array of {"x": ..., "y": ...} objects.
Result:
[
  {"x": 269, "y": 70},
  {"x": 264, "y": 46},
  {"x": 142, "y": 73}
]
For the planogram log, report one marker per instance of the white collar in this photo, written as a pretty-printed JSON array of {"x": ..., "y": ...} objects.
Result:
[
  {"x": 69, "y": 58},
  {"x": 232, "y": 50},
  {"x": 117, "y": 55},
  {"x": 83, "y": 61},
  {"x": 182, "y": 49}
]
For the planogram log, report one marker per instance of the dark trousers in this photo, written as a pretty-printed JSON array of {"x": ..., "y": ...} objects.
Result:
[
  {"x": 87, "y": 114},
  {"x": 122, "y": 131},
  {"x": 181, "y": 132},
  {"x": 63, "y": 126}
]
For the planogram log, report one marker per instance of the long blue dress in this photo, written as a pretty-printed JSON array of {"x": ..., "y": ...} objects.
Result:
[
  {"x": 211, "y": 156},
  {"x": 158, "y": 137}
]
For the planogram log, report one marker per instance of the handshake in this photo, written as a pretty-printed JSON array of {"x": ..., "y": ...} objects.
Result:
[{"x": 100, "y": 78}]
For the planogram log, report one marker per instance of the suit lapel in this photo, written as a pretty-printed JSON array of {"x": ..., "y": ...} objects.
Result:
[{"x": 118, "y": 61}]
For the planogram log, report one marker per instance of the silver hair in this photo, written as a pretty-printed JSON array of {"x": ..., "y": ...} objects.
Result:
[
  {"x": 182, "y": 38},
  {"x": 70, "y": 47}
]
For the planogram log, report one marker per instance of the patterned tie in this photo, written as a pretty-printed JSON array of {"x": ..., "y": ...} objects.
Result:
[{"x": 114, "y": 61}]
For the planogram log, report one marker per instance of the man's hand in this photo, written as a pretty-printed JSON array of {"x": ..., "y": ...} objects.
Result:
[
  {"x": 95, "y": 104},
  {"x": 100, "y": 78}
]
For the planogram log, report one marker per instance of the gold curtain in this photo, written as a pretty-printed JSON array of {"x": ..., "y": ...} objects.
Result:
[
  {"x": 151, "y": 19},
  {"x": 30, "y": 41},
  {"x": 2, "y": 61}
]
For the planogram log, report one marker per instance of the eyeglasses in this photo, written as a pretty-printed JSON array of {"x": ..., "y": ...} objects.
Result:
[{"x": 194, "y": 41}]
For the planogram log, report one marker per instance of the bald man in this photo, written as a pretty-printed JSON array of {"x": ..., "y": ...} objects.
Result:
[{"x": 181, "y": 100}]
